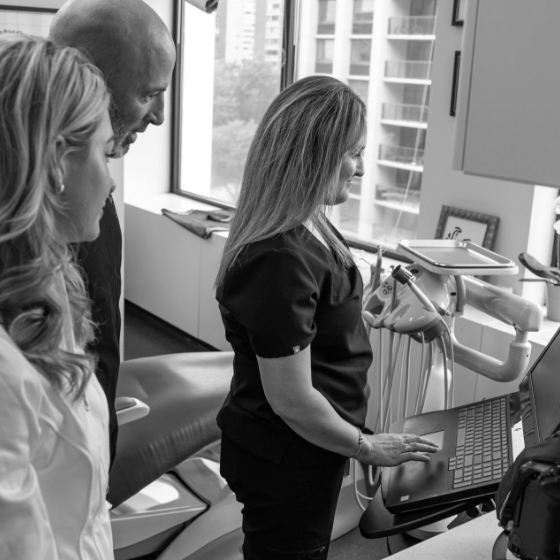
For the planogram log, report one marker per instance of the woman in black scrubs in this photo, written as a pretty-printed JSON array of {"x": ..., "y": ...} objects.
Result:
[{"x": 290, "y": 297}]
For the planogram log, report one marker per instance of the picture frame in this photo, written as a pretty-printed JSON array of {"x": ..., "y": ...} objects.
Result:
[
  {"x": 458, "y": 16},
  {"x": 455, "y": 83},
  {"x": 467, "y": 225},
  {"x": 27, "y": 20}
]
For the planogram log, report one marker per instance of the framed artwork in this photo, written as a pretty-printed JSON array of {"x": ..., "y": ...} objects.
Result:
[
  {"x": 29, "y": 21},
  {"x": 455, "y": 83},
  {"x": 466, "y": 225},
  {"x": 458, "y": 16}
]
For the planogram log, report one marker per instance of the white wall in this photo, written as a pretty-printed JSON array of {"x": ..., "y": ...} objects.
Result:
[
  {"x": 147, "y": 165},
  {"x": 170, "y": 272}
]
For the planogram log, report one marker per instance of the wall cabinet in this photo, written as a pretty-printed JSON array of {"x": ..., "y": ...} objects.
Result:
[{"x": 508, "y": 114}]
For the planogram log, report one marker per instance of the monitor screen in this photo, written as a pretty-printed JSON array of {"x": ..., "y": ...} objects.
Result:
[{"x": 545, "y": 376}]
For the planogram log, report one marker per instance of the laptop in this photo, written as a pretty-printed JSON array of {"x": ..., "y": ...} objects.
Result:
[{"x": 478, "y": 441}]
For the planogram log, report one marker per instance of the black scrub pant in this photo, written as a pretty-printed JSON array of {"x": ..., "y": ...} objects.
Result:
[{"x": 288, "y": 508}]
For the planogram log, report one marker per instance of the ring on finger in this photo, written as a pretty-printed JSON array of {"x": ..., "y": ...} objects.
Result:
[{"x": 407, "y": 447}]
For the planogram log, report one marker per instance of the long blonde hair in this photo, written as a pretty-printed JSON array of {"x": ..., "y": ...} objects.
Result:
[
  {"x": 293, "y": 165},
  {"x": 52, "y": 100}
]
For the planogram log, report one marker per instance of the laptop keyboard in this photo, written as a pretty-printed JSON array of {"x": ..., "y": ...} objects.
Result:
[{"x": 482, "y": 447}]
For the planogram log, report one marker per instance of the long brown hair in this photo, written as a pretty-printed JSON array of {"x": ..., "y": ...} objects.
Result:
[
  {"x": 293, "y": 165},
  {"x": 52, "y": 100}
]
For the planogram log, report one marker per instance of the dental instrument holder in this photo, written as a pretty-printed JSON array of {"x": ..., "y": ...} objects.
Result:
[
  {"x": 524, "y": 316},
  {"x": 464, "y": 258}
]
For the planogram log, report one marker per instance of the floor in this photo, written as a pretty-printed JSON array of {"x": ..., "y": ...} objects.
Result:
[{"x": 147, "y": 335}]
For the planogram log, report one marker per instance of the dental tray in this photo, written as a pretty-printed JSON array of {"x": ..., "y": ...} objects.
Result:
[{"x": 450, "y": 256}]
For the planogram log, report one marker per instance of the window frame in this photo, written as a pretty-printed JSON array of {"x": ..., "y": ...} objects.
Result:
[
  {"x": 31, "y": 9},
  {"x": 38, "y": 9},
  {"x": 287, "y": 74}
]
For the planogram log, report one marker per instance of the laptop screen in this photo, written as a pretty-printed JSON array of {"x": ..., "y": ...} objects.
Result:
[{"x": 546, "y": 388}]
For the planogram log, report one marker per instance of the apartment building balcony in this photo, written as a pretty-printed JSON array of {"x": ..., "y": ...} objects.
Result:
[
  {"x": 408, "y": 72},
  {"x": 323, "y": 67},
  {"x": 359, "y": 69},
  {"x": 420, "y": 28},
  {"x": 401, "y": 114},
  {"x": 363, "y": 24},
  {"x": 398, "y": 198},
  {"x": 360, "y": 57},
  {"x": 326, "y": 28},
  {"x": 401, "y": 157}
]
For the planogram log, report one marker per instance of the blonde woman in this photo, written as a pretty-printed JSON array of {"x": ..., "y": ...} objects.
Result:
[
  {"x": 290, "y": 297},
  {"x": 55, "y": 136}
]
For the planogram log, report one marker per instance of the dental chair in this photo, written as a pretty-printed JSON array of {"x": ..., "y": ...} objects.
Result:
[
  {"x": 169, "y": 500},
  {"x": 165, "y": 488}
]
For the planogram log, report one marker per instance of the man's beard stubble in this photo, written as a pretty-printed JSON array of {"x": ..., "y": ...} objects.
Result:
[{"x": 120, "y": 131}]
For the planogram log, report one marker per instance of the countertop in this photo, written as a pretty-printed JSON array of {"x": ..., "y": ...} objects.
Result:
[{"x": 472, "y": 541}]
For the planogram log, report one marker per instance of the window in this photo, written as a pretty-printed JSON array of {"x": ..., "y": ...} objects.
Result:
[
  {"x": 361, "y": 87},
  {"x": 392, "y": 74},
  {"x": 360, "y": 57},
  {"x": 382, "y": 48},
  {"x": 226, "y": 85},
  {"x": 324, "y": 61},
  {"x": 236, "y": 56},
  {"x": 237, "y": 76},
  {"x": 362, "y": 20},
  {"x": 326, "y": 18}
]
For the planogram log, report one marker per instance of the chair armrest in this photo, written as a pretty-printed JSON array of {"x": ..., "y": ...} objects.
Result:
[{"x": 129, "y": 409}]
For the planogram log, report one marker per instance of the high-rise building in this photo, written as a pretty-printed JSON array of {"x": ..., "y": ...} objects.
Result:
[
  {"x": 249, "y": 30},
  {"x": 380, "y": 48},
  {"x": 383, "y": 50}
]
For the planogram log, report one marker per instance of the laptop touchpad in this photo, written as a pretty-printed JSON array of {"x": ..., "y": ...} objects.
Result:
[{"x": 435, "y": 437}]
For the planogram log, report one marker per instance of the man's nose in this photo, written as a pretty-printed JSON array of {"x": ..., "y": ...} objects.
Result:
[{"x": 155, "y": 114}]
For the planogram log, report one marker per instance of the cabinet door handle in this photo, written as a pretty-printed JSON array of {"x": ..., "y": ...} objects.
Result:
[
  {"x": 455, "y": 82},
  {"x": 458, "y": 13}
]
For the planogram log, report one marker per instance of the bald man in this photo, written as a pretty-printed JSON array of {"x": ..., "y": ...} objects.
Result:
[{"x": 132, "y": 46}]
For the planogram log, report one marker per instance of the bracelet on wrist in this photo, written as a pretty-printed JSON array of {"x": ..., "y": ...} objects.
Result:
[{"x": 360, "y": 443}]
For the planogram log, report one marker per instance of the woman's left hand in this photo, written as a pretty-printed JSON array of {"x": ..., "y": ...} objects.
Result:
[{"x": 388, "y": 450}]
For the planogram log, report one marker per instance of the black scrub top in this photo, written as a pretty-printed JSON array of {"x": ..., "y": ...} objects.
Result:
[{"x": 282, "y": 295}]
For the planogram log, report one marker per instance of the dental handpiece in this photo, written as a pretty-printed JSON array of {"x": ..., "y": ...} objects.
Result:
[{"x": 405, "y": 277}]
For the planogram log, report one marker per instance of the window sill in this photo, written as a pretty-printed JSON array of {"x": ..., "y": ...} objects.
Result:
[
  {"x": 365, "y": 259},
  {"x": 173, "y": 202}
]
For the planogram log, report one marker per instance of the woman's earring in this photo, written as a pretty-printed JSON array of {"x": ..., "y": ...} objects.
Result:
[{"x": 61, "y": 188}]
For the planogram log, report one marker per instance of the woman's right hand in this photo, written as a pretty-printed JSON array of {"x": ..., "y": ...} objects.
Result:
[{"x": 388, "y": 450}]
